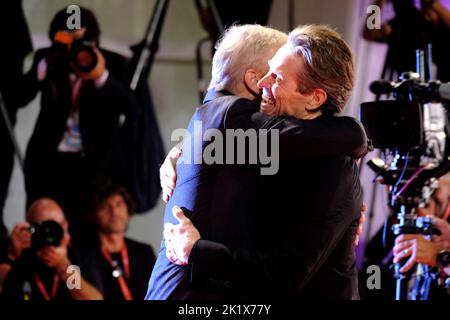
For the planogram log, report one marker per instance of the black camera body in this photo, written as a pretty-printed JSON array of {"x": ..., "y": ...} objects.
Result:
[
  {"x": 46, "y": 233},
  {"x": 79, "y": 53}
]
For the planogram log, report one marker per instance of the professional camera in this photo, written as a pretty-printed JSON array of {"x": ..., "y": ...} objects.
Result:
[
  {"x": 46, "y": 233},
  {"x": 65, "y": 51},
  {"x": 83, "y": 56},
  {"x": 412, "y": 131}
]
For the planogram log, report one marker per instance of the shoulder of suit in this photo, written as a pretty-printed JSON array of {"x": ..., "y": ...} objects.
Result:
[
  {"x": 113, "y": 56},
  {"x": 239, "y": 104}
]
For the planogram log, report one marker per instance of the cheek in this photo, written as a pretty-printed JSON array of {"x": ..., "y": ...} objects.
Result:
[
  {"x": 103, "y": 217},
  {"x": 280, "y": 95}
]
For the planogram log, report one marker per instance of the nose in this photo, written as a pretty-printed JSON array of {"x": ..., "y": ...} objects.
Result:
[
  {"x": 264, "y": 82},
  {"x": 115, "y": 211}
]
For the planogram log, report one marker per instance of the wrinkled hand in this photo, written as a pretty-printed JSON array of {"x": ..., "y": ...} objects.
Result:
[
  {"x": 417, "y": 248},
  {"x": 56, "y": 257},
  {"x": 168, "y": 173},
  {"x": 180, "y": 239},
  {"x": 362, "y": 219},
  {"x": 20, "y": 240}
]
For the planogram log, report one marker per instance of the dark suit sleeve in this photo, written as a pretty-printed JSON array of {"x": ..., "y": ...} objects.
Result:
[
  {"x": 324, "y": 136},
  {"x": 285, "y": 267},
  {"x": 299, "y": 139},
  {"x": 286, "y": 262}
]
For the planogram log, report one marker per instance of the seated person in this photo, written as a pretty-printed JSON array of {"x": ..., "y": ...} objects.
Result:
[
  {"x": 40, "y": 271},
  {"x": 117, "y": 266}
]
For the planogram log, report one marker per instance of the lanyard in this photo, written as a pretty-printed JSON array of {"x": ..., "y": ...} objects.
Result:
[
  {"x": 447, "y": 212},
  {"x": 117, "y": 273},
  {"x": 42, "y": 289}
]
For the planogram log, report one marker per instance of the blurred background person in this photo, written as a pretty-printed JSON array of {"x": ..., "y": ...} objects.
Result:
[
  {"x": 39, "y": 270},
  {"x": 413, "y": 28},
  {"x": 86, "y": 118},
  {"x": 117, "y": 266},
  {"x": 11, "y": 69}
]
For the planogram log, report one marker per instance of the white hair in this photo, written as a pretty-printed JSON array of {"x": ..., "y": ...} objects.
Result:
[{"x": 240, "y": 48}]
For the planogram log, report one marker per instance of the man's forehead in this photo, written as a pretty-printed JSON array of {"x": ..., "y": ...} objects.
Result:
[
  {"x": 43, "y": 213},
  {"x": 283, "y": 56}
]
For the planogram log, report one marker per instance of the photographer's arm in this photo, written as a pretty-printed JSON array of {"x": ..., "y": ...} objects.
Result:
[
  {"x": 419, "y": 249},
  {"x": 57, "y": 258},
  {"x": 86, "y": 291}
]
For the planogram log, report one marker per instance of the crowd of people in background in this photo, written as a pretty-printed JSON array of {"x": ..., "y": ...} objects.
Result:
[{"x": 77, "y": 170}]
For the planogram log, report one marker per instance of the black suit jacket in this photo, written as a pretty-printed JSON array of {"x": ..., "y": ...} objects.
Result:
[
  {"x": 302, "y": 227},
  {"x": 221, "y": 199}
]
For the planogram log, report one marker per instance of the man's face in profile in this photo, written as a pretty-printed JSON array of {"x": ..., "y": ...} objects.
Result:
[{"x": 280, "y": 93}]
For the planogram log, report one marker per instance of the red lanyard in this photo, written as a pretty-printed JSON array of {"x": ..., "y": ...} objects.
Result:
[
  {"x": 447, "y": 212},
  {"x": 126, "y": 265},
  {"x": 42, "y": 289}
]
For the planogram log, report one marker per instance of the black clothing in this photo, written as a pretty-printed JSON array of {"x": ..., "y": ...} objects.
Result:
[
  {"x": 303, "y": 243},
  {"x": 20, "y": 282},
  {"x": 16, "y": 45},
  {"x": 441, "y": 51},
  {"x": 96, "y": 269},
  {"x": 220, "y": 198}
]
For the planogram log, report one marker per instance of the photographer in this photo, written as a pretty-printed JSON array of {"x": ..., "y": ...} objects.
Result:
[
  {"x": 86, "y": 118},
  {"x": 434, "y": 252},
  {"x": 413, "y": 29},
  {"x": 39, "y": 270}
]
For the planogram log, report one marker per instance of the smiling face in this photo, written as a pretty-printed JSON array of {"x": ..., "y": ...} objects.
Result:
[{"x": 280, "y": 87}]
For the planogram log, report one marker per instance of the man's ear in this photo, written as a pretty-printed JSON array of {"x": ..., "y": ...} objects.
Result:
[
  {"x": 251, "y": 79},
  {"x": 317, "y": 99}
]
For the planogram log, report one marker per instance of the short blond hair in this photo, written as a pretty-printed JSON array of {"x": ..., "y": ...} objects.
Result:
[
  {"x": 240, "y": 48},
  {"x": 328, "y": 64}
]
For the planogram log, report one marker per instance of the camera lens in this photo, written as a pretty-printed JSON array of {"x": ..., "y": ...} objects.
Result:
[
  {"x": 83, "y": 56},
  {"x": 46, "y": 233}
]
